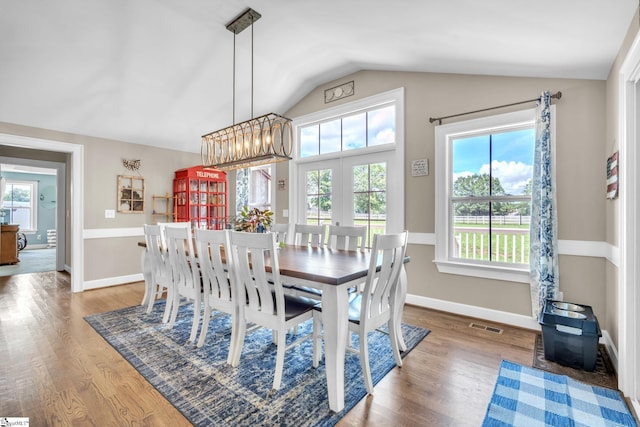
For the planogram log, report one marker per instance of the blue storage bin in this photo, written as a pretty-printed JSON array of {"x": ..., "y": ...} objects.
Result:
[{"x": 570, "y": 334}]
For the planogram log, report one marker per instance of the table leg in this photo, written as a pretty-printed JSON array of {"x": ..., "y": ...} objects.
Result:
[{"x": 335, "y": 321}]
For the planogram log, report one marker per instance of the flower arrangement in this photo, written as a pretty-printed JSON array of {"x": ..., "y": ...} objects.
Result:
[{"x": 254, "y": 220}]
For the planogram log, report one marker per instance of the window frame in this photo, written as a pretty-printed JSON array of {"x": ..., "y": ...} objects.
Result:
[
  {"x": 33, "y": 206},
  {"x": 395, "y": 153},
  {"x": 444, "y": 135}
]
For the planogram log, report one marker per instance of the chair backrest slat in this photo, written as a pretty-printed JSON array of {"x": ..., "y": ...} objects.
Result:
[
  {"x": 307, "y": 234},
  {"x": 345, "y": 237},
  {"x": 251, "y": 252},
  {"x": 160, "y": 267},
  {"x": 211, "y": 246},
  {"x": 281, "y": 231},
  {"x": 182, "y": 258},
  {"x": 387, "y": 257}
]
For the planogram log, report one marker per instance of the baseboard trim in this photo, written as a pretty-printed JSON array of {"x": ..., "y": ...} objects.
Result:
[
  {"x": 611, "y": 348},
  {"x": 472, "y": 311},
  {"x": 112, "y": 281}
]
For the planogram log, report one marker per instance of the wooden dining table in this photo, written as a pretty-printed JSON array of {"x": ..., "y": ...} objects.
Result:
[{"x": 334, "y": 272}]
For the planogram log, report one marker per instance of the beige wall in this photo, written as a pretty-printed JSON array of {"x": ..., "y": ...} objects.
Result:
[
  {"x": 580, "y": 128},
  {"x": 105, "y": 258}
]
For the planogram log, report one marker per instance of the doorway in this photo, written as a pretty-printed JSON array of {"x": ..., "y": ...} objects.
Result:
[
  {"x": 29, "y": 200},
  {"x": 70, "y": 214}
]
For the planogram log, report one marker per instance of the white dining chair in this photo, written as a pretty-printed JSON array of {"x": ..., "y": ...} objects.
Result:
[
  {"x": 372, "y": 308},
  {"x": 187, "y": 287},
  {"x": 161, "y": 275},
  {"x": 281, "y": 231},
  {"x": 346, "y": 237},
  {"x": 308, "y": 234},
  {"x": 163, "y": 226},
  {"x": 211, "y": 249},
  {"x": 260, "y": 295}
]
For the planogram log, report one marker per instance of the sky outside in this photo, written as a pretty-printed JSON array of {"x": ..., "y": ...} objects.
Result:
[
  {"x": 374, "y": 127},
  {"x": 512, "y": 158}
]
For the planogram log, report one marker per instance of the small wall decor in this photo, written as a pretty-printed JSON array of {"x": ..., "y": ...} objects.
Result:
[
  {"x": 420, "y": 167},
  {"x": 339, "y": 92},
  {"x": 612, "y": 176},
  {"x": 132, "y": 165},
  {"x": 130, "y": 194}
]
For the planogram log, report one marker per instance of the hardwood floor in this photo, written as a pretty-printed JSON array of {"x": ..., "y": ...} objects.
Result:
[{"x": 57, "y": 370}]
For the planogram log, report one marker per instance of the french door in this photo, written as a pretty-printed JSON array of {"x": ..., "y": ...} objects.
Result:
[{"x": 357, "y": 190}]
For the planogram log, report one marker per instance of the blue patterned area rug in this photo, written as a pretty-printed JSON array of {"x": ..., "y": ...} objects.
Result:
[
  {"x": 530, "y": 397},
  {"x": 200, "y": 384}
]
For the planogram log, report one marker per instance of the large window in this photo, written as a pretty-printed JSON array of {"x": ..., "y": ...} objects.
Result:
[
  {"x": 349, "y": 165},
  {"x": 483, "y": 196},
  {"x": 19, "y": 204}
]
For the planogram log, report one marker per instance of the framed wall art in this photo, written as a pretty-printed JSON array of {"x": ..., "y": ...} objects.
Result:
[{"x": 130, "y": 194}]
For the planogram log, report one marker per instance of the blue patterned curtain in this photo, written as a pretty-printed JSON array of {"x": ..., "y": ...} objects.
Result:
[{"x": 544, "y": 225}]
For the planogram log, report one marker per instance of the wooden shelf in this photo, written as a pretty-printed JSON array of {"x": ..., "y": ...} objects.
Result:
[{"x": 163, "y": 208}]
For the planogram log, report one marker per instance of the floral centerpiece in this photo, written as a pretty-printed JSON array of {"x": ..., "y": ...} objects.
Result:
[{"x": 254, "y": 220}]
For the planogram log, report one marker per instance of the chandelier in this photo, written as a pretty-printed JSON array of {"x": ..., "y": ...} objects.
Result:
[{"x": 257, "y": 141}]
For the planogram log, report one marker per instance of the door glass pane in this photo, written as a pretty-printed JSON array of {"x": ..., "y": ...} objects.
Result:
[
  {"x": 370, "y": 198},
  {"x": 318, "y": 196}
]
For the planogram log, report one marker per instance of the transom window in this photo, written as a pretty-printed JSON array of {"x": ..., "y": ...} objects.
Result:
[
  {"x": 483, "y": 196},
  {"x": 362, "y": 129}
]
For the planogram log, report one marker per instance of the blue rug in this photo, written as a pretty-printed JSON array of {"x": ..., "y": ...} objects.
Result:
[
  {"x": 200, "y": 384},
  {"x": 530, "y": 397}
]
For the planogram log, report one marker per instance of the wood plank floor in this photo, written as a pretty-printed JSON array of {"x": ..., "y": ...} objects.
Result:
[{"x": 58, "y": 371}]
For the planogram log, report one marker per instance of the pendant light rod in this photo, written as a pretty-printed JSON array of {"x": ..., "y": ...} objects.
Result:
[
  {"x": 251, "y": 65},
  {"x": 258, "y": 141},
  {"x": 233, "y": 113}
]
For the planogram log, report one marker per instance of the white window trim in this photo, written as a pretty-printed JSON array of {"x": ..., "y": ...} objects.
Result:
[
  {"x": 395, "y": 96},
  {"x": 443, "y": 135},
  {"x": 33, "y": 226}
]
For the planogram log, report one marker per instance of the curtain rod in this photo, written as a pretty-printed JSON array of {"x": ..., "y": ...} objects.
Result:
[{"x": 556, "y": 95}]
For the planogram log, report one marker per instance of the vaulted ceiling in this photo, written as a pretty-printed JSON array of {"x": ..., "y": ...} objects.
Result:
[{"x": 159, "y": 72}]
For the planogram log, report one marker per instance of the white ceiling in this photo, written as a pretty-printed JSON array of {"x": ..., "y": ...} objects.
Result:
[{"x": 159, "y": 72}]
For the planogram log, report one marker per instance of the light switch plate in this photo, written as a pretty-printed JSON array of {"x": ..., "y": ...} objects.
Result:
[{"x": 109, "y": 213}]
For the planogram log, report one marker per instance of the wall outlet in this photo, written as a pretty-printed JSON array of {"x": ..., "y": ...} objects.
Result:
[
  {"x": 109, "y": 213},
  {"x": 285, "y": 213},
  {"x": 39, "y": 236}
]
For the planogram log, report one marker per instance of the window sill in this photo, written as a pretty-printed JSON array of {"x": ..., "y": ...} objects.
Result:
[{"x": 483, "y": 271}]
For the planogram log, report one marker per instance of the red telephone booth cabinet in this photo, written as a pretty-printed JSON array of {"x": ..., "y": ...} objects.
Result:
[{"x": 201, "y": 197}]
